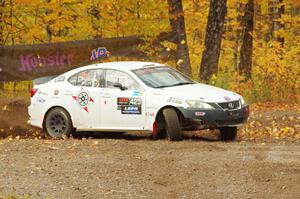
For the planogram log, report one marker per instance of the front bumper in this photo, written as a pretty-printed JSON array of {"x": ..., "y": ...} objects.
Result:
[{"x": 215, "y": 118}]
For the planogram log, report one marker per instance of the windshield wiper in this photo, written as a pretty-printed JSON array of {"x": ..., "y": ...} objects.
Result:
[
  {"x": 177, "y": 84},
  {"x": 182, "y": 83}
]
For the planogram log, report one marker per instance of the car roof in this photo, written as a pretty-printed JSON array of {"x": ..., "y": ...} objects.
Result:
[{"x": 122, "y": 65}]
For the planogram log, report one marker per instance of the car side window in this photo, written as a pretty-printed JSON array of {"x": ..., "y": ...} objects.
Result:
[
  {"x": 88, "y": 78},
  {"x": 114, "y": 76},
  {"x": 73, "y": 80}
]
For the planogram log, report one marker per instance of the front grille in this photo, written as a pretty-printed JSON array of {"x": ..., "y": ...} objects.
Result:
[{"x": 230, "y": 105}]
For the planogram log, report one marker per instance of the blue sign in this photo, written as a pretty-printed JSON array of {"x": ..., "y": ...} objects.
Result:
[{"x": 101, "y": 52}]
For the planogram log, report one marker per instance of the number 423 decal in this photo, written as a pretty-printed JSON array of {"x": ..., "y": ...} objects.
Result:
[
  {"x": 129, "y": 101},
  {"x": 130, "y": 105},
  {"x": 135, "y": 101}
]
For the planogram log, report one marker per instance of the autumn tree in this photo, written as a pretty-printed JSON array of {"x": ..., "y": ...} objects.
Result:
[
  {"x": 48, "y": 29},
  {"x": 176, "y": 18},
  {"x": 1, "y": 30},
  {"x": 94, "y": 11},
  {"x": 277, "y": 22},
  {"x": 245, "y": 64},
  {"x": 278, "y": 11},
  {"x": 213, "y": 38},
  {"x": 2, "y": 4},
  {"x": 237, "y": 37},
  {"x": 10, "y": 21}
]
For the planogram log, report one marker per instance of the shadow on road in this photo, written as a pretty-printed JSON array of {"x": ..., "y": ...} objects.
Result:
[
  {"x": 110, "y": 135},
  {"x": 203, "y": 138},
  {"x": 138, "y": 136}
]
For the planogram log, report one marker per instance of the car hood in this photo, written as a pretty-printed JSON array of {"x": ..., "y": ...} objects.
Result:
[{"x": 202, "y": 92}]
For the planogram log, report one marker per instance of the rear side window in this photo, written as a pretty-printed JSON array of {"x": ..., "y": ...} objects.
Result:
[
  {"x": 88, "y": 78},
  {"x": 59, "y": 79},
  {"x": 73, "y": 80}
]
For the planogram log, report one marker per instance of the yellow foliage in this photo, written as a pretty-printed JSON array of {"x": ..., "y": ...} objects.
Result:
[
  {"x": 275, "y": 74},
  {"x": 23, "y": 86}
]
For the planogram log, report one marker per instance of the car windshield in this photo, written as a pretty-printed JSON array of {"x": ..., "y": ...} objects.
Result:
[{"x": 161, "y": 77}]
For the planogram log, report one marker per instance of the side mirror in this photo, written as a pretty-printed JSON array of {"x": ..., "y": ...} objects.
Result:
[{"x": 120, "y": 86}]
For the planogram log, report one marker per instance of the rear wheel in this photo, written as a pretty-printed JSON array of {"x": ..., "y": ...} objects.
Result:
[
  {"x": 172, "y": 124},
  {"x": 228, "y": 133},
  {"x": 58, "y": 123}
]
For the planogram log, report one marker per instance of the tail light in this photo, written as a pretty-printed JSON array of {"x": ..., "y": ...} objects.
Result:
[{"x": 33, "y": 92}]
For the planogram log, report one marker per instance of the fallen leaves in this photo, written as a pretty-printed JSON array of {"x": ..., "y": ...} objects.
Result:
[
  {"x": 179, "y": 62},
  {"x": 272, "y": 122},
  {"x": 4, "y": 108},
  {"x": 266, "y": 121},
  {"x": 53, "y": 147}
]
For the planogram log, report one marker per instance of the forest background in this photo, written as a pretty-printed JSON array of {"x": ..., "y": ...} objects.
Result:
[{"x": 251, "y": 47}]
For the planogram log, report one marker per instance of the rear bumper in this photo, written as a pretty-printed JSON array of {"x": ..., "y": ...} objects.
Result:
[
  {"x": 34, "y": 119},
  {"x": 201, "y": 119}
]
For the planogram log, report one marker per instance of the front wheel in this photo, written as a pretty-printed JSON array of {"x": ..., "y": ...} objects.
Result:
[
  {"x": 58, "y": 123},
  {"x": 172, "y": 126},
  {"x": 228, "y": 133}
]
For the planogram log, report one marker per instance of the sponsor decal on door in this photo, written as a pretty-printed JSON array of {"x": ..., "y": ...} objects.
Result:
[{"x": 129, "y": 105}]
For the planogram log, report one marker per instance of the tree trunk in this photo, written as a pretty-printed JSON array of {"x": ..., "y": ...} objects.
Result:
[
  {"x": 11, "y": 23},
  {"x": 48, "y": 28},
  {"x": 237, "y": 38},
  {"x": 178, "y": 28},
  {"x": 2, "y": 5},
  {"x": 213, "y": 39},
  {"x": 95, "y": 20},
  {"x": 278, "y": 10},
  {"x": 245, "y": 64},
  {"x": 2, "y": 40}
]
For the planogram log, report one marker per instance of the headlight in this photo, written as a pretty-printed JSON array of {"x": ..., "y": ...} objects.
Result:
[
  {"x": 198, "y": 104},
  {"x": 242, "y": 101}
]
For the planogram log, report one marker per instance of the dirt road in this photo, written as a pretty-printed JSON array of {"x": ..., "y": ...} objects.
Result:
[{"x": 135, "y": 167}]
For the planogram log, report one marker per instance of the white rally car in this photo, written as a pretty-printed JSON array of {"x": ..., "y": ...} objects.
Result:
[{"x": 133, "y": 96}]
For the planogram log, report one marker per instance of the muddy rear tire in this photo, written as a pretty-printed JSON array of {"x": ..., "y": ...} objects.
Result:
[
  {"x": 172, "y": 124},
  {"x": 58, "y": 123}
]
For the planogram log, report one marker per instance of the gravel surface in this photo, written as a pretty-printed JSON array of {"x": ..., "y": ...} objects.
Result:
[{"x": 136, "y": 167}]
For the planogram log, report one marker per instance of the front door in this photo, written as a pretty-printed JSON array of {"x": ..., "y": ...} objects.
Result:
[{"x": 122, "y": 102}]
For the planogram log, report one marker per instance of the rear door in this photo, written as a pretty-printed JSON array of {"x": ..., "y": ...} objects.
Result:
[
  {"x": 85, "y": 99},
  {"x": 122, "y": 108}
]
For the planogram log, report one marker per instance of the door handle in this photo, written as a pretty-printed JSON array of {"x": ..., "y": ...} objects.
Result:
[
  {"x": 105, "y": 95},
  {"x": 68, "y": 93}
]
